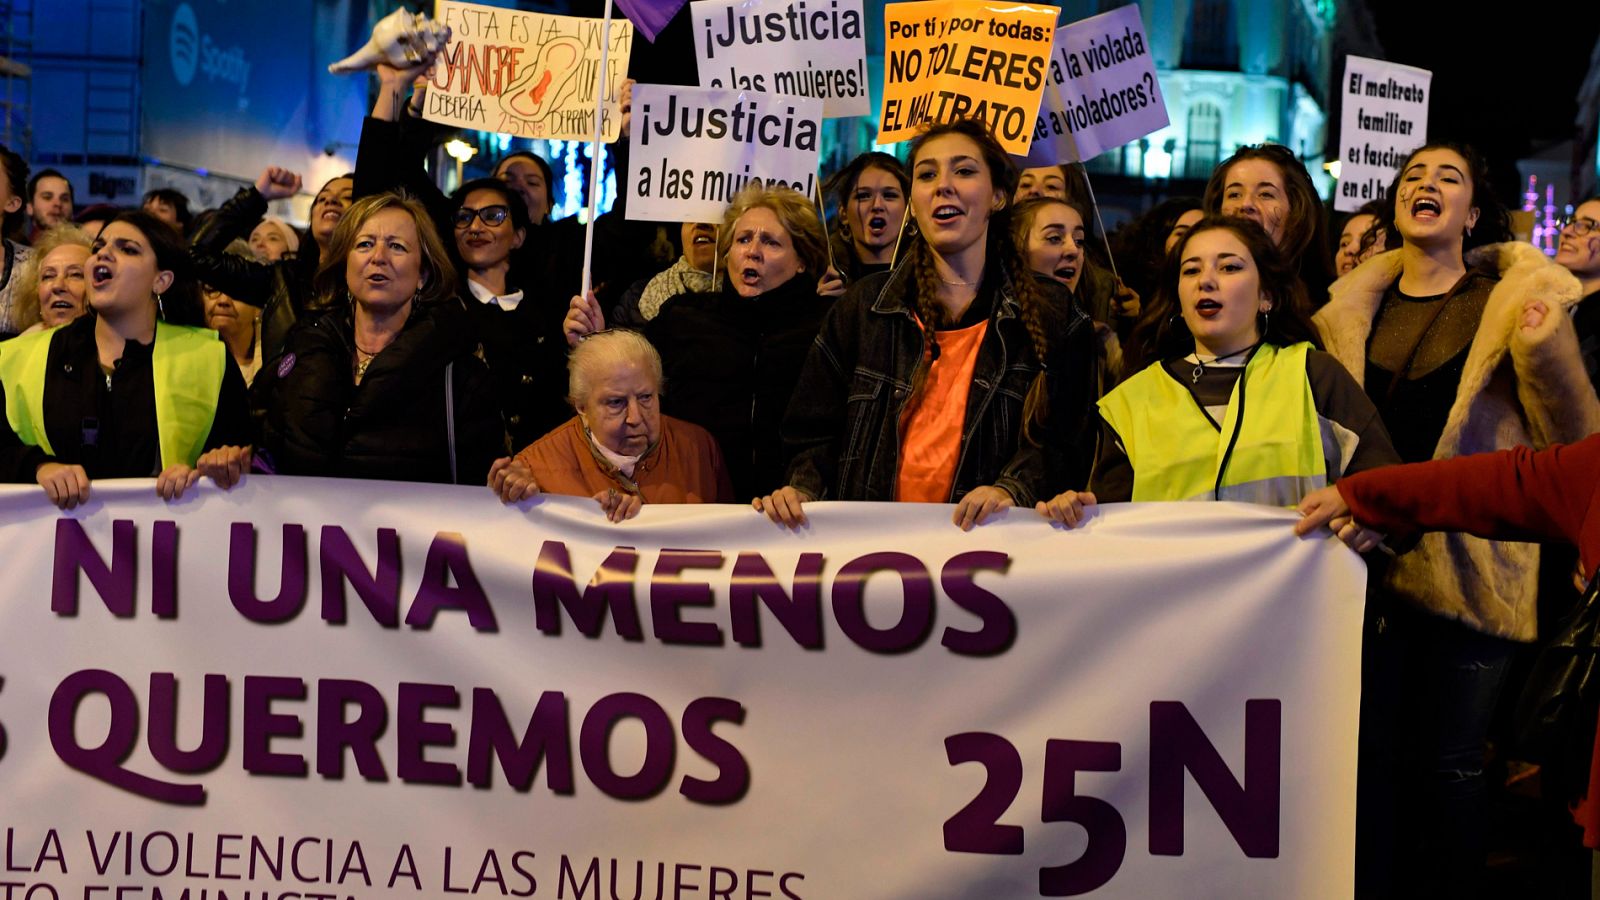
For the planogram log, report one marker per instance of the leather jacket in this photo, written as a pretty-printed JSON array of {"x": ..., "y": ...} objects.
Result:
[
  {"x": 282, "y": 290},
  {"x": 843, "y": 426}
]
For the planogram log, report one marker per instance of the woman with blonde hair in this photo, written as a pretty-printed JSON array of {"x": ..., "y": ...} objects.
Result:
[
  {"x": 385, "y": 384},
  {"x": 733, "y": 356},
  {"x": 54, "y": 285}
]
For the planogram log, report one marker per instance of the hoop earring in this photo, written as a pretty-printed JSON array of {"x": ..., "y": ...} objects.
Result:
[
  {"x": 1266, "y": 322},
  {"x": 161, "y": 310}
]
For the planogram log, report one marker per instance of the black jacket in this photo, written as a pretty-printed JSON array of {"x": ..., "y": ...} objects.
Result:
[
  {"x": 391, "y": 426},
  {"x": 731, "y": 364},
  {"x": 842, "y": 253},
  {"x": 527, "y": 357},
  {"x": 843, "y": 427},
  {"x": 110, "y": 430},
  {"x": 525, "y": 348},
  {"x": 282, "y": 289}
]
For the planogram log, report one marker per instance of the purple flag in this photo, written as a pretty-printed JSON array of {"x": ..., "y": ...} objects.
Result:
[{"x": 650, "y": 16}]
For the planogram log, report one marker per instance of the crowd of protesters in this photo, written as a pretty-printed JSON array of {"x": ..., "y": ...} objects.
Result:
[{"x": 948, "y": 331}]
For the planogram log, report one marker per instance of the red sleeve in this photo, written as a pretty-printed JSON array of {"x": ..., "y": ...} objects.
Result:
[{"x": 1515, "y": 494}]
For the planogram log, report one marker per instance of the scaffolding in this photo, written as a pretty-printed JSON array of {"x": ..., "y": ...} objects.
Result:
[{"x": 16, "y": 95}]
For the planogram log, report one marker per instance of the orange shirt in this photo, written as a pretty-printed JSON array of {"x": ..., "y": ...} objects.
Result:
[{"x": 931, "y": 433}]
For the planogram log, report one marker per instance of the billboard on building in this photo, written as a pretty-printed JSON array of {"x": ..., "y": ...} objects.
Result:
[{"x": 228, "y": 84}]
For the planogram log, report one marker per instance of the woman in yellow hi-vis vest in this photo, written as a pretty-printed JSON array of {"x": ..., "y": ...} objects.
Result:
[
  {"x": 1235, "y": 403},
  {"x": 121, "y": 392}
]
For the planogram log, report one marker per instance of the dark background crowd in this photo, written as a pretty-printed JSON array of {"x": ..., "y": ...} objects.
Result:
[{"x": 948, "y": 327}]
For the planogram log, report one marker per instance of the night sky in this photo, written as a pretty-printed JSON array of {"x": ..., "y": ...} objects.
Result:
[{"x": 1504, "y": 81}]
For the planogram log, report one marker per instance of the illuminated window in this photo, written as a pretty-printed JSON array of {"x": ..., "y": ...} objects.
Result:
[{"x": 1205, "y": 140}]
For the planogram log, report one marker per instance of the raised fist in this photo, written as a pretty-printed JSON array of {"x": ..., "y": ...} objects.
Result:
[{"x": 277, "y": 184}]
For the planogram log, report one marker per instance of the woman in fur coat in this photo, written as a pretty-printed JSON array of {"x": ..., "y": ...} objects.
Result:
[{"x": 1461, "y": 339}]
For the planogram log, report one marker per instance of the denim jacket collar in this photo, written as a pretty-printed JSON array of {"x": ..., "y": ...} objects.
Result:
[{"x": 891, "y": 300}]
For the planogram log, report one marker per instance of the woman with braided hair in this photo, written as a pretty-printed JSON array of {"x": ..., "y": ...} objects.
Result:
[{"x": 928, "y": 383}]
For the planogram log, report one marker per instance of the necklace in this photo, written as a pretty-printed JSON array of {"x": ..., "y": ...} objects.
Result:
[
  {"x": 364, "y": 358},
  {"x": 959, "y": 283},
  {"x": 1200, "y": 364}
]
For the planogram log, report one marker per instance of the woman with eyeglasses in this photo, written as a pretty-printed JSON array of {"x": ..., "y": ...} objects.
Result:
[
  {"x": 1461, "y": 339},
  {"x": 1579, "y": 253},
  {"x": 519, "y": 331},
  {"x": 515, "y": 271}
]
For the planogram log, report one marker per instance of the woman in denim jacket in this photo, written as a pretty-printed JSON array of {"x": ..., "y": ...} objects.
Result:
[{"x": 929, "y": 383}]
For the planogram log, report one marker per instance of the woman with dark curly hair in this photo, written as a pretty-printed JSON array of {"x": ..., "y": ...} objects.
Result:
[
  {"x": 928, "y": 383},
  {"x": 1460, "y": 338}
]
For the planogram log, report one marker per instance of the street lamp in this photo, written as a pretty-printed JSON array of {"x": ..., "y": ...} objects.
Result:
[{"x": 460, "y": 151}]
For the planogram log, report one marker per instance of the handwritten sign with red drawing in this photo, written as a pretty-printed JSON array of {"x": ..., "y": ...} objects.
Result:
[{"x": 527, "y": 74}]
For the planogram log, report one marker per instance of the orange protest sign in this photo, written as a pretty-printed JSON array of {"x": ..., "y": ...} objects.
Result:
[{"x": 965, "y": 59}]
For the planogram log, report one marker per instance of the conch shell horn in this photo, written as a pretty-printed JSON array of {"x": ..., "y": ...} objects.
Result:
[{"x": 400, "y": 39}]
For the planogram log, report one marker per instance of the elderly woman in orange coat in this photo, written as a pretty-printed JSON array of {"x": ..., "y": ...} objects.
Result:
[{"x": 619, "y": 448}]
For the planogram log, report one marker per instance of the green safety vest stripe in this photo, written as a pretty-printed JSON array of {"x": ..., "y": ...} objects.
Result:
[
  {"x": 188, "y": 365},
  {"x": 22, "y": 363},
  {"x": 1176, "y": 452},
  {"x": 1285, "y": 490}
]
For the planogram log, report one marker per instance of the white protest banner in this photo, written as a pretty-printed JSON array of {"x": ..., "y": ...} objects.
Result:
[
  {"x": 526, "y": 74},
  {"x": 694, "y": 148},
  {"x": 1102, "y": 91},
  {"x": 795, "y": 48},
  {"x": 1385, "y": 117},
  {"x": 317, "y": 688},
  {"x": 964, "y": 59}
]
